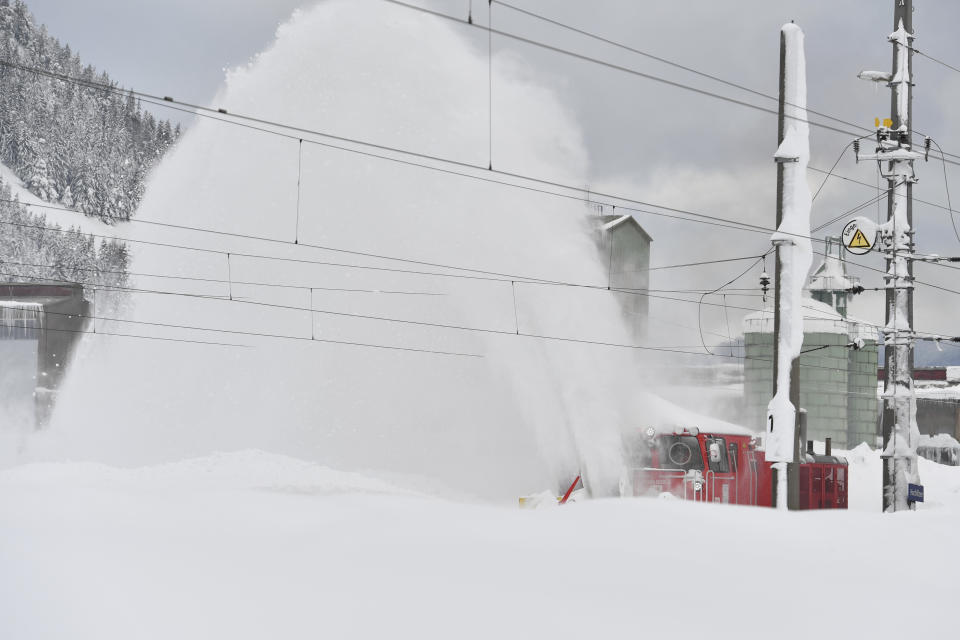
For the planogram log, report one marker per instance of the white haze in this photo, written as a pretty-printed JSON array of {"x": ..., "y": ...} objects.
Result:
[{"x": 527, "y": 415}]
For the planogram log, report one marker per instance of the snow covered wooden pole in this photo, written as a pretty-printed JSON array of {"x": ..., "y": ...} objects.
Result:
[{"x": 794, "y": 257}]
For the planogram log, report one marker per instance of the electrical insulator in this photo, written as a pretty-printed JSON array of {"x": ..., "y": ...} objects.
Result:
[
  {"x": 856, "y": 150},
  {"x": 926, "y": 147},
  {"x": 764, "y": 284}
]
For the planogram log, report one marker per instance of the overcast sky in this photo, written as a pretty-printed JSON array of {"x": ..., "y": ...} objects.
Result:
[{"x": 647, "y": 140}]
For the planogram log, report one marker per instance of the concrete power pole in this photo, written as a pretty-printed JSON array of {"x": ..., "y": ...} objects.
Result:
[
  {"x": 894, "y": 150},
  {"x": 899, "y": 408}
]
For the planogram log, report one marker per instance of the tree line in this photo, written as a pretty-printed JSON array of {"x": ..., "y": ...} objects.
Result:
[{"x": 85, "y": 148}]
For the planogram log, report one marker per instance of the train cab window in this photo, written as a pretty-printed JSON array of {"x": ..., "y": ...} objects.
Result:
[
  {"x": 681, "y": 453},
  {"x": 734, "y": 456},
  {"x": 717, "y": 454}
]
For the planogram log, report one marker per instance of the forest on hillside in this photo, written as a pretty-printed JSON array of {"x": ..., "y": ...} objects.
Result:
[
  {"x": 76, "y": 145},
  {"x": 33, "y": 250}
]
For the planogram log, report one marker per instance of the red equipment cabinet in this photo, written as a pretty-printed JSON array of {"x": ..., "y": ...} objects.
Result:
[{"x": 726, "y": 467}]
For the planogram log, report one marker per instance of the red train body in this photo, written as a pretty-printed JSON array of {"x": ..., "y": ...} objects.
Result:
[{"x": 727, "y": 467}]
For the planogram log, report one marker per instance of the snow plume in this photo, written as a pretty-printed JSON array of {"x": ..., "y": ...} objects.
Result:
[
  {"x": 795, "y": 251},
  {"x": 527, "y": 415}
]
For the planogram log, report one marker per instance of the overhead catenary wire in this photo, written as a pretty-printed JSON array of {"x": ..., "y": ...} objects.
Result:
[
  {"x": 313, "y": 310},
  {"x": 258, "y": 334},
  {"x": 388, "y": 258},
  {"x": 132, "y": 335},
  {"x": 863, "y": 205},
  {"x": 610, "y": 65},
  {"x": 478, "y": 274},
  {"x": 946, "y": 186},
  {"x": 672, "y": 63},
  {"x": 429, "y": 351},
  {"x": 700, "y": 302},
  {"x": 208, "y": 112},
  {"x": 521, "y": 177},
  {"x": 203, "y": 112},
  {"x": 689, "y": 69}
]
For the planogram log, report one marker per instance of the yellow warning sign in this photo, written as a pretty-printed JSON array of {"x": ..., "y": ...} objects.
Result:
[
  {"x": 859, "y": 241},
  {"x": 859, "y": 236}
]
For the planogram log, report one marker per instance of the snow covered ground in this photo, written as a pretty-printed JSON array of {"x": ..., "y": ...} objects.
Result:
[{"x": 254, "y": 545}]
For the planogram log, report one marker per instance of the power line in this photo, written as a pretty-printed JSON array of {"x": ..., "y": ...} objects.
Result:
[
  {"x": 253, "y": 333},
  {"x": 278, "y": 285},
  {"x": 696, "y": 217},
  {"x": 738, "y": 225},
  {"x": 938, "y": 61},
  {"x": 208, "y": 112},
  {"x": 627, "y": 70},
  {"x": 202, "y": 112},
  {"x": 698, "y": 72},
  {"x": 517, "y": 332},
  {"x": 666, "y": 61},
  {"x": 700, "y": 302},
  {"x": 127, "y": 335},
  {"x": 362, "y": 344},
  {"x": 946, "y": 185},
  {"x": 852, "y": 211},
  {"x": 604, "y": 63}
]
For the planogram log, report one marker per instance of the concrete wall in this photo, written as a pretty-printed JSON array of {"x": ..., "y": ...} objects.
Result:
[
  {"x": 836, "y": 386},
  {"x": 862, "y": 409}
]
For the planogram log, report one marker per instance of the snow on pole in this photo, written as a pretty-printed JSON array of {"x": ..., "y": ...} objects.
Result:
[
  {"x": 901, "y": 445},
  {"x": 795, "y": 253}
]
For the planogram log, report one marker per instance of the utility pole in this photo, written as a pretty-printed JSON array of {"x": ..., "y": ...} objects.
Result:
[
  {"x": 894, "y": 149},
  {"x": 793, "y": 258}
]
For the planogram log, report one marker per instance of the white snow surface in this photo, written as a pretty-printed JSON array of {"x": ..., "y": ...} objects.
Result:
[
  {"x": 953, "y": 374},
  {"x": 253, "y": 545},
  {"x": 939, "y": 440},
  {"x": 56, "y": 213}
]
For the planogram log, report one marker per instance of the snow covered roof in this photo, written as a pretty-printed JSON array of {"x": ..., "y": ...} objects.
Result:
[
  {"x": 950, "y": 392},
  {"x": 944, "y": 440},
  {"x": 613, "y": 222},
  {"x": 831, "y": 276},
  {"x": 818, "y": 317}
]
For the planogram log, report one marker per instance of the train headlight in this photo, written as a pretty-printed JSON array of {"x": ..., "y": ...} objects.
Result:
[
  {"x": 651, "y": 432},
  {"x": 697, "y": 486}
]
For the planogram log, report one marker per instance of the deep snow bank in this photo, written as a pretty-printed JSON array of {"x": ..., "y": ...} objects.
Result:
[{"x": 89, "y": 552}]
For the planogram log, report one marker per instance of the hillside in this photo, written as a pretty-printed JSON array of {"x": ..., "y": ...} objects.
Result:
[
  {"x": 78, "y": 146},
  {"x": 33, "y": 247}
]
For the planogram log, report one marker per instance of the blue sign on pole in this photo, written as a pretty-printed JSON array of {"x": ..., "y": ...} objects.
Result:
[{"x": 914, "y": 493}]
